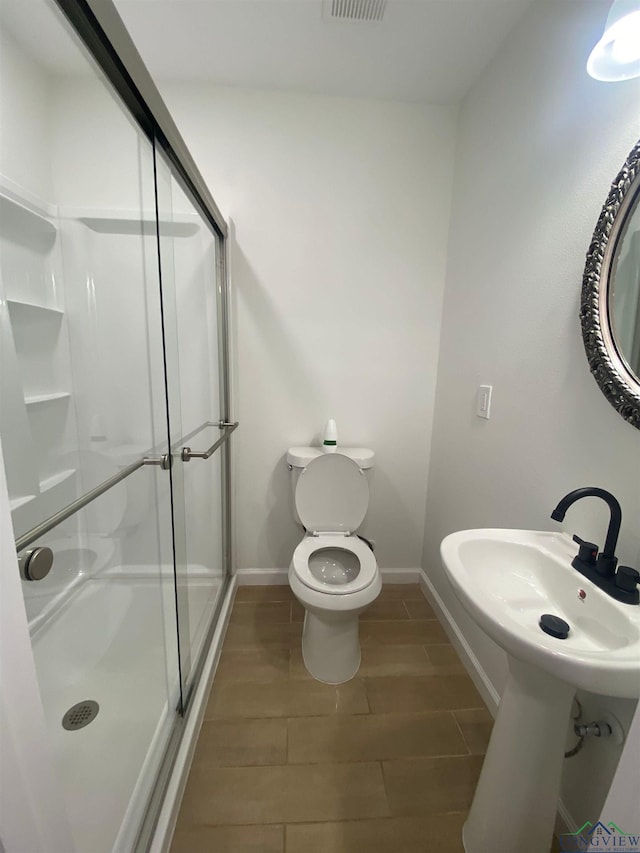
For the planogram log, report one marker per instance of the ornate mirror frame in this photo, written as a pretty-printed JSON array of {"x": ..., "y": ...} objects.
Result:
[{"x": 617, "y": 382}]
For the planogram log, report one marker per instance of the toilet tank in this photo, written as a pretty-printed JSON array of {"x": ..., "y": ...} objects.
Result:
[{"x": 299, "y": 457}]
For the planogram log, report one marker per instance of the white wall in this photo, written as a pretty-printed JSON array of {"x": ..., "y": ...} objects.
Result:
[
  {"x": 24, "y": 123},
  {"x": 341, "y": 212},
  {"x": 539, "y": 144},
  {"x": 100, "y": 158}
]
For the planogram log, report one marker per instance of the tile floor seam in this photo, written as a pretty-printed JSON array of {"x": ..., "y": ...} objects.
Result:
[
  {"x": 453, "y": 714},
  {"x": 366, "y": 697},
  {"x": 287, "y": 749},
  {"x": 239, "y": 825},
  {"x": 413, "y": 758},
  {"x": 425, "y": 713},
  {"x": 355, "y": 819},
  {"x": 388, "y": 817},
  {"x": 308, "y": 763},
  {"x": 385, "y": 788},
  {"x": 423, "y": 646}
]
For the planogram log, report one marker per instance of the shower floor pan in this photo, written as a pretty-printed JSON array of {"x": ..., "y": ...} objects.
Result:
[{"x": 114, "y": 642}]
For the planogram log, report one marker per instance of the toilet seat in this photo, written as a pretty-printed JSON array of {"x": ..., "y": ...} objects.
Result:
[{"x": 310, "y": 545}]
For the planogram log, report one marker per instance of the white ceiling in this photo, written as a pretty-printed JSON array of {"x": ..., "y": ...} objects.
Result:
[{"x": 427, "y": 51}]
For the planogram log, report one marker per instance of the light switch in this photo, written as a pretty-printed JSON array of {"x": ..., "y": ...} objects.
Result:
[{"x": 483, "y": 409}]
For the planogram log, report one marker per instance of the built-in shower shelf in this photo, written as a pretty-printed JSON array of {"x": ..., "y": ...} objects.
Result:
[
  {"x": 21, "y": 223},
  {"x": 15, "y": 193},
  {"x": 38, "y": 399},
  {"x": 46, "y": 484},
  {"x": 29, "y": 310},
  {"x": 54, "y": 480},
  {"x": 132, "y": 222},
  {"x": 16, "y": 503}
]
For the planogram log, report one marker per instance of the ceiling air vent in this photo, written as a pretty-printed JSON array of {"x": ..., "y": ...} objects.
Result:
[{"x": 369, "y": 11}]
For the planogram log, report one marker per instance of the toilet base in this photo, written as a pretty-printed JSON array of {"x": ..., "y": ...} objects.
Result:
[{"x": 331, "y": 645}]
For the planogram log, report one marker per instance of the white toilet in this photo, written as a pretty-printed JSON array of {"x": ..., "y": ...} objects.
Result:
[{"x": 333, "y": 573}]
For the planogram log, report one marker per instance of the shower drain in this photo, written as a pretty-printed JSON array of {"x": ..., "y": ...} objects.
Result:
[{"x": 80, "y": 715}]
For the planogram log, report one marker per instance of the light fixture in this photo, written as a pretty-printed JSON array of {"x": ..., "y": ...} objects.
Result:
[{"x": 617, "y": 54}]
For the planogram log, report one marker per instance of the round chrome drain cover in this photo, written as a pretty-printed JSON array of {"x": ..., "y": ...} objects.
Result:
[{"x": 80, "y": 715}]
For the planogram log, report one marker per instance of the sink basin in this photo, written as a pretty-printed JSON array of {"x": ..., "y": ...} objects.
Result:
[{"x": 506, "y": 579}]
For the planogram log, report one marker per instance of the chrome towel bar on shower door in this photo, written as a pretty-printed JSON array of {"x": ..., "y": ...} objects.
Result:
[
  {"x": 49, "y": 523},
  {"x": 163, "y": 462},
  {"x": 188, "y": 454}
]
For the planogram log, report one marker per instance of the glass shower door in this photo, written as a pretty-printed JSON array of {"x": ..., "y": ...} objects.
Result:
[
  {"x": 83, "y": 415},
  {"x": 194, "y": 311}
]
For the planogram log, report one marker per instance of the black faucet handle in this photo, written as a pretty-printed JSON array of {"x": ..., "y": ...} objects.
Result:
[
  {"x": 606, "y": 565},
  {"x": 587, "y": 552},
  {"x": 627, "y": 578}
]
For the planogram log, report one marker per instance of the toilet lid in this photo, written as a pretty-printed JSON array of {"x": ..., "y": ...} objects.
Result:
[{"x": 332, "y": 494}]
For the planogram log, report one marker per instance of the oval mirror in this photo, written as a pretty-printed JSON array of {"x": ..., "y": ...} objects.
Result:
[{"x": 610, "y": 307}]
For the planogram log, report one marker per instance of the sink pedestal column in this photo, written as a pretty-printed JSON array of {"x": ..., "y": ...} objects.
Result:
[{"x": 515, "y": 803}]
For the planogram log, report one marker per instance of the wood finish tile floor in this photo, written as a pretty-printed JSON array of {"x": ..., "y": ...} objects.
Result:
[{"x": 386, "y": 763}]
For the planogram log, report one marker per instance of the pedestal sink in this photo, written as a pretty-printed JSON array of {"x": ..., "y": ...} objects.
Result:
[{"x": 506, "y": 580}]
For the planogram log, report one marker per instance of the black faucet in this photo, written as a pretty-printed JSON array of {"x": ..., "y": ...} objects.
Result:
[
  {"x": 601, "y": 568},
  {"x": 607, "y": 560}
]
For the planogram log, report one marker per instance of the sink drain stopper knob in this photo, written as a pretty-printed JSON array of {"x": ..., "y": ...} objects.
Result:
[{"x": 555, "y": 626}]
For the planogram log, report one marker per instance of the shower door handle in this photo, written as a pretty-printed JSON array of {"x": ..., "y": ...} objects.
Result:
[
  {"x": 188, "y": 454},
  {"x": 35, "y": 564}
]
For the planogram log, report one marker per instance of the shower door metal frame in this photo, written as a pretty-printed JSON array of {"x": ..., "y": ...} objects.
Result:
[
  {"x": 103, "y": 33},
  {"x": 101, "y": 29}
]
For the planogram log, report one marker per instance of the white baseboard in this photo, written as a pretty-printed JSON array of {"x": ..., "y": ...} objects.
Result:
[
  {"x": 473, "y": 666},
  {"x": 165, "y": 827},
  {"x": 564, "y": 820},
  {"x": 400, "y": 575},
  {"x": 262, "y": 577}
]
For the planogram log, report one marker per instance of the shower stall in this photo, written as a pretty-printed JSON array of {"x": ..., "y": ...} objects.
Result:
[{"x": 114, "y": 423}]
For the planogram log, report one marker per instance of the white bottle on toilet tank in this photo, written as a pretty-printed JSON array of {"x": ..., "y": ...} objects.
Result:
[{"x": 330, "y": 441}]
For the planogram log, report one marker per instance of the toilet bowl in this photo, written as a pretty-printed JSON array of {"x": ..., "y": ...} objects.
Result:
[{"x": 333, "y": 572}]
